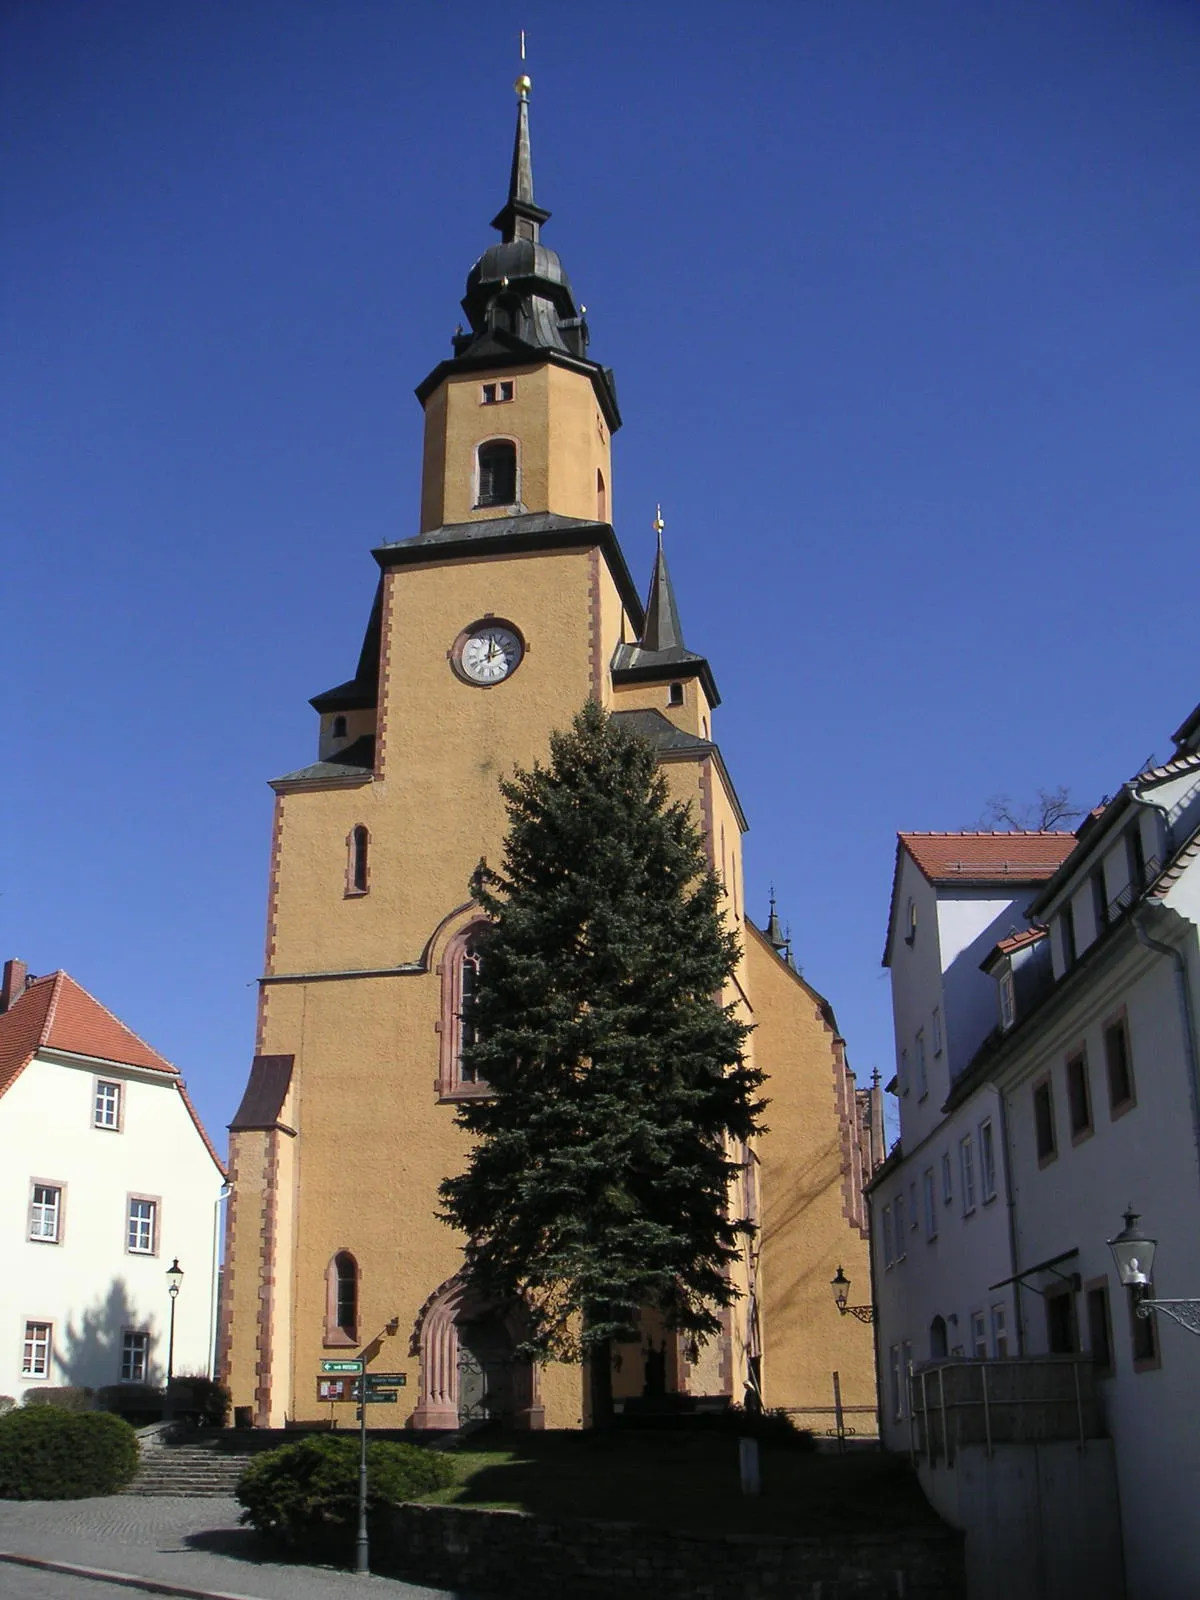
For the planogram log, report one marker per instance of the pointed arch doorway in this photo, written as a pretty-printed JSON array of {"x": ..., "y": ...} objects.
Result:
[{"x": 469, "y": 1367}]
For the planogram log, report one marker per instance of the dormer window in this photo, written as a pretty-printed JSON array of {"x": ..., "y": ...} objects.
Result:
[
  {"x": 1008, "y": 999},
  {"x": 497, "y": 473},
  {"x": 910, "y": 922},
  {"x": 1066, "y": 931},
  {"x": 494, "y": 394}
]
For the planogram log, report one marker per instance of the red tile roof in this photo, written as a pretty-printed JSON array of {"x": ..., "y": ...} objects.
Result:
[
  {"x": 988, "y": 857},
  {"x": 55, "y": 1013},
  {"x": 1018, "y": 941}
]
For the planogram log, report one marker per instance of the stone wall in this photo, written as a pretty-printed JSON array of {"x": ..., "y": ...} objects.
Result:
[{"x": 507, "y": 1552}]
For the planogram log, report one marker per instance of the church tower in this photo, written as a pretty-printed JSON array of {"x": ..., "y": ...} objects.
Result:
[{"x": 491, "y": 627}]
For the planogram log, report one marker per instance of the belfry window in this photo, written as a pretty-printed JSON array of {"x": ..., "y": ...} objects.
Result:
[
  {"x": 494, "y": 394},
  {"x": 497, "y": 473},
  {"x": 356, "y": 867},
  {"x": 339, "y": 727},
  {"x": 341, "y": 1300}
]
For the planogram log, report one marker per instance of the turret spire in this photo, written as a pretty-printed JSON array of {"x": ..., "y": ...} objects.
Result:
[
  {"x": 520, "y": 218},
  {"x": 775, "y": 936},
  {"x": 663, "y": 630}
]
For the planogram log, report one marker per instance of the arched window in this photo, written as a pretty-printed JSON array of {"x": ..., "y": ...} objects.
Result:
[
  {"x": 601, "y": 497},
  {"x": 356, "y": 866},
  {"x": 497, "y": 473},
  {"x": 460, "y": 979},
  {"x": 341, "y": 1300},
  {"x": 339, "y": 727}
]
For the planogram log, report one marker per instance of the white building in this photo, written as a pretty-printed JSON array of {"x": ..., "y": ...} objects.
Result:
[
  {"x": 939, "y": 1227},
  {"x": 106, "y": 1177},
  {"x": 1088, "y": 1070}
]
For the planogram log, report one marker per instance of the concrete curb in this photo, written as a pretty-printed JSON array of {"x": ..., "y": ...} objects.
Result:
[{"x": 125, "y": 1580}]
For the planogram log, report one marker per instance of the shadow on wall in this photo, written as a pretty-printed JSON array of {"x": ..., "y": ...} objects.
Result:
[{"x": 91, "y": 1350}]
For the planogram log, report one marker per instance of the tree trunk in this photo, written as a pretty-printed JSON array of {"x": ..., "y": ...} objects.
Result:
[{"x": 600, "y": 1384}]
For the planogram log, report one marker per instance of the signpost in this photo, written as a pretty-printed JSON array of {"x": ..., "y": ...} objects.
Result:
[{"x": 349, "y": 1380}]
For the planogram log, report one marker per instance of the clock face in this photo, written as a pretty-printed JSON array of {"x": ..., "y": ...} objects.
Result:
[{"x": 489, "y": 652}]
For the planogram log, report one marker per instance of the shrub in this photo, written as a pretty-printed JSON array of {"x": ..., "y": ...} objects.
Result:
[
  {"x": 6, "y": 1403},
  {"x": 67, "y": 1397},
  {"x": 305, "y": 1495},
  {"x": 198, "y": 1399},
  {"x": 138, "y": 1403},
  {"x": 50, "y": 1454}
]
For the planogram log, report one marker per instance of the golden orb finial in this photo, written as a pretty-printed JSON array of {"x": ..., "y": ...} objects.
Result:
[
  {"x": 658, "y": 524},
  {"x": 523, "y": 85}
]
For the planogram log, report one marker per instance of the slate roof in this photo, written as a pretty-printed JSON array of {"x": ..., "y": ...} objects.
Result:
[
  {"x": 662, "y": 733},
  {"x": 528, "y": 523},
  {"x": 357, "y": 760}
]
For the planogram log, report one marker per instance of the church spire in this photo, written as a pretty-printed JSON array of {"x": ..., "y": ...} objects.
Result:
[
  {"x": 662, "y": 630},
  {"x": 775, "y": 937},
  {"x": 519, "y": 218}
]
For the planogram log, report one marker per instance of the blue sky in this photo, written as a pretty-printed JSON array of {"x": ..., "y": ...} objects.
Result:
[{"x": 902, "y": 301}]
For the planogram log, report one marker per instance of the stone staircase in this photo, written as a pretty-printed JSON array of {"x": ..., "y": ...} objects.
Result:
[{"x": 190, "y": 1465}]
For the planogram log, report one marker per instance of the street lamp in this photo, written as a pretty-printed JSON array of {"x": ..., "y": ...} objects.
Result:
[
  {"x": 1133, "y": 1251},
  {"x": 174, "y": 1279},
  {"x": 840, "y": 1284}
]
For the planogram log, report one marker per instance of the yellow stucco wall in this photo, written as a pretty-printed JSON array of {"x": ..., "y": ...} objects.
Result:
[
  {"x": 806, "y": 1233},
  {"x": 561, "y": 436}
]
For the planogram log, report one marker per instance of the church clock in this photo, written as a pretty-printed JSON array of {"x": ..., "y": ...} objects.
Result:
[{"x": 487, "y": 652}]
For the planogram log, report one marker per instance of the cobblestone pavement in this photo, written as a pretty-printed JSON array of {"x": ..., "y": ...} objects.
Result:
[{"x": 194, "y": 1543}]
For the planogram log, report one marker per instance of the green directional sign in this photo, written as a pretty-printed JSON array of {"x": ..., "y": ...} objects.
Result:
[
  {"x": 342, "y": 1366},
  {"x": 380, "y": 1397},
  {"x": 394, "y": 1380}
]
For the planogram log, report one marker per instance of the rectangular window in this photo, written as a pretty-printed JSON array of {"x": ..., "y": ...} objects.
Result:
[
  {"x": 1144, "y": 1334},
  {"x": 914, "y": 1216},
  {"x": 107, "y": 1112},
  {"x": 1043, "y": 1122},
  {"x": 901, "y": 1241},
  {"x": 1066, "y": 928},
  {"x": 1008, "y": 1000},
  {"x": 979, "y": 1344},
  {"x": 135, "y": 1356},
  {"x": 937, "y": 1030},
  {"x": 947, "y": 1178},
  {"x": 1062, "y": 1334},
  {"x": 495, "y": 393},
  {"x": 889, "y": 1240},
  {"x": 1000, "y": 1332},
  {"x": 987, "y": 1160},
  {"x": 930, "y": 1198},
  {"x": 45, "y": 1213},
  {"x": 895, "y": 1370},
  {"x": 1079, "y": 1097},
  {"x": 142, "y": 1227},
  {"x": 904, "y": 1072},
  {"x": 1100, "y": 1328},
  {"x": 1099, "y": 900},
  {"x": 1120, "y": 1067},
  {"x": 922, "y": 1069},
  {"x": 35, "y": 1351},
  {"x": 966, "y": 1164}
]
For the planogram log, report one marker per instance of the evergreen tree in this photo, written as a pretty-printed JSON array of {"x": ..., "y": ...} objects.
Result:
[{"x": 598, "y": 1181}]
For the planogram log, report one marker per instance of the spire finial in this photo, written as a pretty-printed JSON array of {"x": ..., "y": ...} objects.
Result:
[
  {"x": 658, "y": 524},
  {"x": 520, "y": 218}
]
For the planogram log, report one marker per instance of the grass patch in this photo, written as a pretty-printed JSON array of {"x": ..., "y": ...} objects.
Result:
[{"x": 685, "y": 1481}]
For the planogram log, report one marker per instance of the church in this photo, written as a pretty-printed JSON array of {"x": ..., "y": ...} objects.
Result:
[{"x": 493, "y": 624}]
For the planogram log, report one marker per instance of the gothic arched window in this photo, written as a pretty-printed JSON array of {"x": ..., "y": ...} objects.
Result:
[
  {"x": 460, "y": 977},
  {"x": 497, "y": 473},
  {"x": 341, "y": 1300},
  {"x": 356, "y": 866}
]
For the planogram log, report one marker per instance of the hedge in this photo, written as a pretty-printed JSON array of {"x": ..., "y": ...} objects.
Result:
[
  {"x": 305, "y": 1495},
  {"x": 50, "y": 1454}
]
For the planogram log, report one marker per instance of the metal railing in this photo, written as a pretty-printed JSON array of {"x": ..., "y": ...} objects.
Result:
[{"x": 1026, "y": 1400}]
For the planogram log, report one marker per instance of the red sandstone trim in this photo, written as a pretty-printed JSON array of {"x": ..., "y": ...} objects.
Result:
[
  {"x": 385, "y": 674},
  {"x": 266, "y": 1285},
  {"x": 595, "y": 663},
  {"x": 273, "y": 886},
  {"x": 225, "y": 1342}
]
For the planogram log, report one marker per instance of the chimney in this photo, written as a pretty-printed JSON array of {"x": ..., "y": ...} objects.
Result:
[{"x": 12, "y": 985}]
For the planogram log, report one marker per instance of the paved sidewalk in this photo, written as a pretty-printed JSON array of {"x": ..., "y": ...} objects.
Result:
[{"x": 168, "y": 1545}]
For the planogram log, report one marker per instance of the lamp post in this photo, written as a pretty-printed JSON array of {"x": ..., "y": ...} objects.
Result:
[
  {"x": 174, "y": 1279},
  {"x": 1133, "y": 1251},
  {"x": 840, "y": 1284}
]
